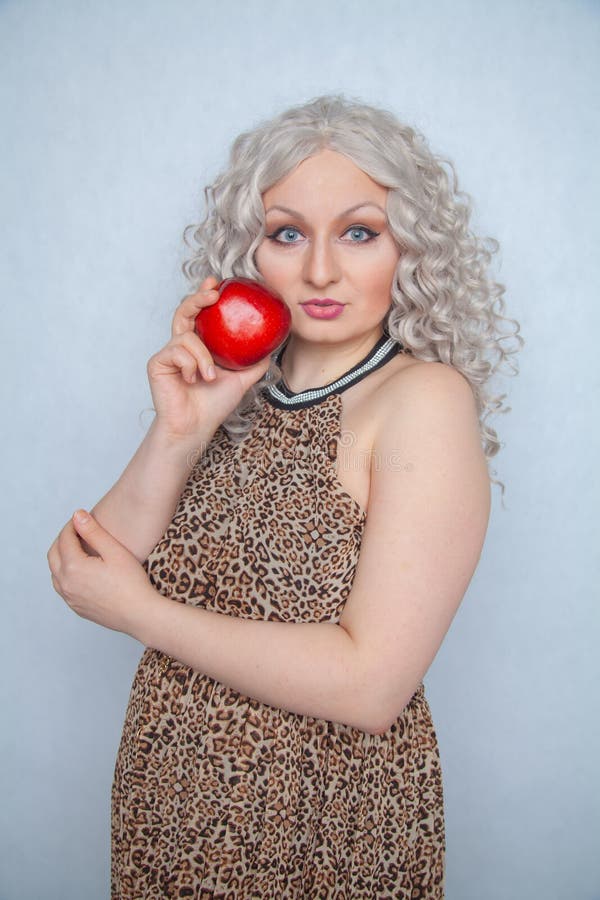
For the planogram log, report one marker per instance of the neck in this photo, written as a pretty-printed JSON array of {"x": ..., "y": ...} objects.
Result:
[{"x": 308, "y": 365}]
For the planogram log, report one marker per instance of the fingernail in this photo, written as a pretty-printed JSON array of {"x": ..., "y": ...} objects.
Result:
[
  {"x": 82, "y": 516},
  {"x": 210, "y": 372}
]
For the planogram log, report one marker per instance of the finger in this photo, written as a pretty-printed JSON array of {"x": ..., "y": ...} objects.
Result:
[
  {"x": 100, "y": 540},
  {"x": 201, "y": 354},
  {"x": 185, "y": 315},
  {"x": 59, "y": 545},
  {"x": 69, "y": 547},
  {"x": 184, "y": 319},
  {"x": 254, "y": 373},
  {"x": 186, "y": 363},
  {"x": 185, "y": 353},
  {"x": 53, "y": 557}
]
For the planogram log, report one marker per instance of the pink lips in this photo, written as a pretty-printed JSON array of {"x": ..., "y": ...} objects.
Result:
[{"x": 323, "y": 309}]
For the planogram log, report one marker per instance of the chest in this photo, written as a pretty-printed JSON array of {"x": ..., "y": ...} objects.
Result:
[{"x": 264, "y": 529}]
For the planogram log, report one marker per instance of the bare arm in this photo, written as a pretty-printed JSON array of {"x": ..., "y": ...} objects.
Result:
[
  {"x": 140, "y": 505},
  {"x": 191, "y": 397}
]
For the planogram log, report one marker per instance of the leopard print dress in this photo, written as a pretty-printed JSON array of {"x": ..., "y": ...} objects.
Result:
[{"x": 217, "y": 795}]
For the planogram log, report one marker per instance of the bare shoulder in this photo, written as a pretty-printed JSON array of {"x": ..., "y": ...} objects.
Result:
[
  {"x": 421, "y": 377},
  {"x": 409, "y": 389},
  {"x": 427, "y": 413}
]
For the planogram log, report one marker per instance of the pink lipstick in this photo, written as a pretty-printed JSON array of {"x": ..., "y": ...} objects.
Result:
[{"x": 323, "y": 309}]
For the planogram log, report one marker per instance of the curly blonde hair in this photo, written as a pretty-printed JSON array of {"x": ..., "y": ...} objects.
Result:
[{"x": 444, "y": 306}]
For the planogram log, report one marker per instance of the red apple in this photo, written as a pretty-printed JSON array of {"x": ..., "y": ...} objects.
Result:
[{"x": 245, "y": 324}]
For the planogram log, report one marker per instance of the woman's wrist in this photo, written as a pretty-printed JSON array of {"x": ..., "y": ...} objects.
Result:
[{"x": 179, "y": 446}]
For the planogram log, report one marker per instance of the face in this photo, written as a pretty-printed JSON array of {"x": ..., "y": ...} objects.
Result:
[{"x": 328, "y": 250}]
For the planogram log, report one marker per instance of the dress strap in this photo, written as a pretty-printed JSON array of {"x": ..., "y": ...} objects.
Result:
[{"x": 281, "y": 396}]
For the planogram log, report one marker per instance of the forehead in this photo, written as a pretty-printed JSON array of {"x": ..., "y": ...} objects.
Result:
[{"x": 328, "y": 174}]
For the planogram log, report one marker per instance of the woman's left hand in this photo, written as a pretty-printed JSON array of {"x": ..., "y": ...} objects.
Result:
[{"x": 111, "y": 589}]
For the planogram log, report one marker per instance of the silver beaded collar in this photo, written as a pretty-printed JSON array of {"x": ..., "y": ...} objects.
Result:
[{"x": 280, "y": 395}]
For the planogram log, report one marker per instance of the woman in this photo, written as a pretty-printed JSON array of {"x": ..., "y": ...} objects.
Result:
[{"x": 318, "y": 517}]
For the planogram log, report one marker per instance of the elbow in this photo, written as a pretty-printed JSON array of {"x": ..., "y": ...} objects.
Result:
[
  {"x": 374, "y": 702},
  {"x": 374, "y": 719},
  {"x": 380, "y": 715},
  {"x": 364, "y": 713},
  {"x": 379, "y": 726},
  {"x": 376, "y": 729}
]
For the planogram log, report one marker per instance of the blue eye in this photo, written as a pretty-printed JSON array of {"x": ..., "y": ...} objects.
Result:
[
  {"x": 359, "y": 234},
  {"x": 284, "y": 235}
]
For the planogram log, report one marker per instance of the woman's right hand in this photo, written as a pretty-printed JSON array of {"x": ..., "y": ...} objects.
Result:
[{"x": 189, "y": 391}]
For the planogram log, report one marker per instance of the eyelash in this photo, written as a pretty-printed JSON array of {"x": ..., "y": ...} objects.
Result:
[{"x": 369, "y": 231}]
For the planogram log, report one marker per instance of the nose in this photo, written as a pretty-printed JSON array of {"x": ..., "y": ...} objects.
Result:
[{"x": 321, "y": 266}]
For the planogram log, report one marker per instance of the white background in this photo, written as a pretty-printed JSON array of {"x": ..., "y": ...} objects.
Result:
[{"x": 114, "y": 117}]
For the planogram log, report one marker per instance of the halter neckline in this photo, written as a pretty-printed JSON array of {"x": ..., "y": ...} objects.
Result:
[{"x": 281, "y": 396}]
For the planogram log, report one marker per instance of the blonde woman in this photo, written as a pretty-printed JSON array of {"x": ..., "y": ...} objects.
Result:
[{"x": 291, "y": 542}]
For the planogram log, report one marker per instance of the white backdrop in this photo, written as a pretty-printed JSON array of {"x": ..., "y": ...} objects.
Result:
[{"x": 114, "y": 116}]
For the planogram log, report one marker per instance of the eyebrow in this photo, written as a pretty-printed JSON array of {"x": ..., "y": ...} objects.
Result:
[{"x": 293, "y": 212}]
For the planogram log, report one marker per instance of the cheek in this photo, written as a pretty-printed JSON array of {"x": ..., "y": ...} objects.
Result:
[
  {"x": 379, "y": 284},
  {"x": 387, "y": 271},
  {"x": 272, "y": 266},
  {"x": 265, "y": 261},
  {"x": 259, "y": 257}
]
